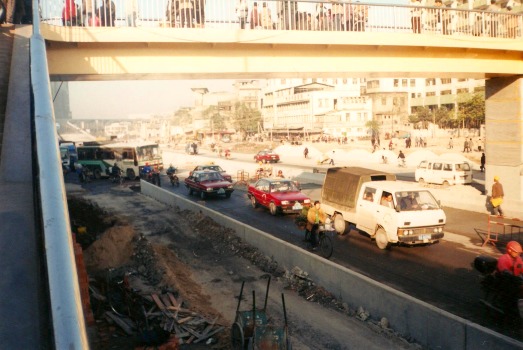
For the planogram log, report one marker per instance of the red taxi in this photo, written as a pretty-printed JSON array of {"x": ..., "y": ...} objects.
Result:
[
  {"x": 279, "y": 195},
  {"x": 208, "y": 183},
  {"x": 215, "y": 168},
  {"x": 267, "y": 156}
]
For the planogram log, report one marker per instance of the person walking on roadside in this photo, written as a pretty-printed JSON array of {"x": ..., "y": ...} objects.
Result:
[
  {"x": 331, "y": 162},
  {"x": 482, "y": 166},
  {"x": 306, "y": 152},
  {"x": 451, "y": 143},
  {"x": 496, "y": 198},
  {"x": 471, "y": 145},
  {"x": 401, "y": 158},
  {"x": 466, "y": 146}
]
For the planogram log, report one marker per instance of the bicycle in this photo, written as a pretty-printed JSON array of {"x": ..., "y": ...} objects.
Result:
[{"x": 324, "y": 241}]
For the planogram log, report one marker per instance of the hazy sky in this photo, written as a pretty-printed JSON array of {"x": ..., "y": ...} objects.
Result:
[{"x": 121, "y": 99}]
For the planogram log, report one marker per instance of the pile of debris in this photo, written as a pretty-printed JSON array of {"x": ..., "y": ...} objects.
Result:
[{"x": 152, "y": 319}]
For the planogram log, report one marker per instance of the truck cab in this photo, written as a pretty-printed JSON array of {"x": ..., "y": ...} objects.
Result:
[{"x": 389, "y": 211}]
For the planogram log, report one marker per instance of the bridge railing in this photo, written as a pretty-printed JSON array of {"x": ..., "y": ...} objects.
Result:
[
  {"x": 317, "y": 15},
  {"x": 66, "y": 306}
]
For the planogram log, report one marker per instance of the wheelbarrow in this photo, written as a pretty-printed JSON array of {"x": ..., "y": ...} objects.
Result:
[
  {"x": 246, "y": 321},
  {"x": 271, "y": 337}
]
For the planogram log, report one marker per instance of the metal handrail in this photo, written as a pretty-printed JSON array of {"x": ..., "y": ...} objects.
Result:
[
  {"x": 291, "y": 15},
  {"x": 66, "y": 305}
]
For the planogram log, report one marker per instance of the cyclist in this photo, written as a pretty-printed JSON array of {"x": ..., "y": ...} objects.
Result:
[{"x": 315, "y": 217}]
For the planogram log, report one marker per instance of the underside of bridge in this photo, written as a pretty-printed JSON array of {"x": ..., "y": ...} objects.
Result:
[{"x": 83, "y": 54}]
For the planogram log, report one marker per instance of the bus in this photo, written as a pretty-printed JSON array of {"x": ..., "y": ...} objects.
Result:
[{"x": 131, "y": 157}]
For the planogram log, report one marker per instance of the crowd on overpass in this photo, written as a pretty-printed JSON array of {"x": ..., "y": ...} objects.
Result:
[{"x": 419, "y": 16}]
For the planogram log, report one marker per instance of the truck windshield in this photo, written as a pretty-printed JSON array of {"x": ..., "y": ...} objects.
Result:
[{"x": 416, "y": 200}]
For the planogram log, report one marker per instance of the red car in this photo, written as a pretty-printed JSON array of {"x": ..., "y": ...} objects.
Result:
[
  {"x": 267, "y": 156},
  {"x": 213, "y": 167},
  {"x": 279, "y": 195},
  {"x": 208, "y": 183}
]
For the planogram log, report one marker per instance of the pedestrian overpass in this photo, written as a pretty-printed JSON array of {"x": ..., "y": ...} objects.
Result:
[
  {"x": 465, "y": 45},
  {"x": 460, "y": 43}
]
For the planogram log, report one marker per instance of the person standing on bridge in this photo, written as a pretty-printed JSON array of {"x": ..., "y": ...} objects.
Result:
[
  {"x": 255, "y": 16},
  {"x": 415, "y": 16},
  {"x": 493, "y": 18},
  {"x": 242, "y": 11},
  {"x": 199, "y": 13},
  {"x": 131, "y": 12},
  {"x": 265, "y": 17},
  {"x": 186, "y": 12}
]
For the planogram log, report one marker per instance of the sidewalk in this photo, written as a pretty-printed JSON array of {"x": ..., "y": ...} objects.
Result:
[{"x": 24, "y": 320}]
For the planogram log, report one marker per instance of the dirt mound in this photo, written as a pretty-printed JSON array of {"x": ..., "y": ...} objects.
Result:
[{"x": 112, "y": 250}]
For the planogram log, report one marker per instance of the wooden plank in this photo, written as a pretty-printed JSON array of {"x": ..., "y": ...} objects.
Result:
[
  {"x": 219, "y": 329},
  {"x": 208, "y": 329},
  {"x": 120, "y": 322},
  {"x": 185, "y": 319},
  {"x": 189, "y": 341},
  {"x": 165, "y": 300},
  {"x": 173, "y": 300},
  {"x": 158, "y": 302}
]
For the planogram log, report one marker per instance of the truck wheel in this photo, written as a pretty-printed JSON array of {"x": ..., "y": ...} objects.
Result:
[
  {"x": 340, "y": 225},
  {"x": 130, "y": 174},
  {"x": 421, "y": 181},
  {"x": 382, "y": 241},
  {"x": 445, "y": 184}
]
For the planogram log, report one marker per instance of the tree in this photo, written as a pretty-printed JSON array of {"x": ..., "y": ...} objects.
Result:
[
  {"x": 373, "y": 127},
  {"x": 217, "y": 121},
  {"x": 471, "y": 110},
  {"x": 245, "y": 119},
  {"x": 424, "y": 115},
  {"x": 182, "y": 117},
  {"x": 441, "y": 116},
  {"x": 413, "y": 119}
]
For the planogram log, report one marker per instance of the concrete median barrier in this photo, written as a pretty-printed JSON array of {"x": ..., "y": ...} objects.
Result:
[{"x": 427, "y": 325}]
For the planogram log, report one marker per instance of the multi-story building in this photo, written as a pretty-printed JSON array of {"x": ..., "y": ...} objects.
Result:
[{"x": 314, "y": 106}]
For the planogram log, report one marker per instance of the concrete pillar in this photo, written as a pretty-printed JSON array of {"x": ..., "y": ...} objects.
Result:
[{"x": 504, "y": 135}]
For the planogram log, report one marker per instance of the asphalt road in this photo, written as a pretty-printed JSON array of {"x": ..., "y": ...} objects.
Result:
[{"x": 440, "y": 274}]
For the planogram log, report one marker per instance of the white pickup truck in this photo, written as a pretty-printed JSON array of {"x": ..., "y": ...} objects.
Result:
[{"x": 389, "y": 211}]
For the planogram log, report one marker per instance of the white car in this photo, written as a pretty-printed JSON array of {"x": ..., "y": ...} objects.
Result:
[{"x": 444, "y": 172}]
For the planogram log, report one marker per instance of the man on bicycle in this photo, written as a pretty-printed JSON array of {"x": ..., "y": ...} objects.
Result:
[{"x": 315, "y": 217}]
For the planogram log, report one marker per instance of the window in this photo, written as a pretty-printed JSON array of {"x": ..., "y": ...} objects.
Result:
[
  {"x": 432, "y": 93},
  {"x": 412, "y": 82},
  {"x": 403, "y": 82},
  {"x": 447, "y": 167},
  {"x": 437, "y": 166},
  {"x": 396, "y": 82}
]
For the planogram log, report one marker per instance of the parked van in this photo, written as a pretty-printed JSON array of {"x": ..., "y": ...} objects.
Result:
[{"x": 444, "y": 172}]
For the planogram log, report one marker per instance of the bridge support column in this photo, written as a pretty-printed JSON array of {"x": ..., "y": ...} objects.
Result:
[{"x": 504, "y": 135}]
